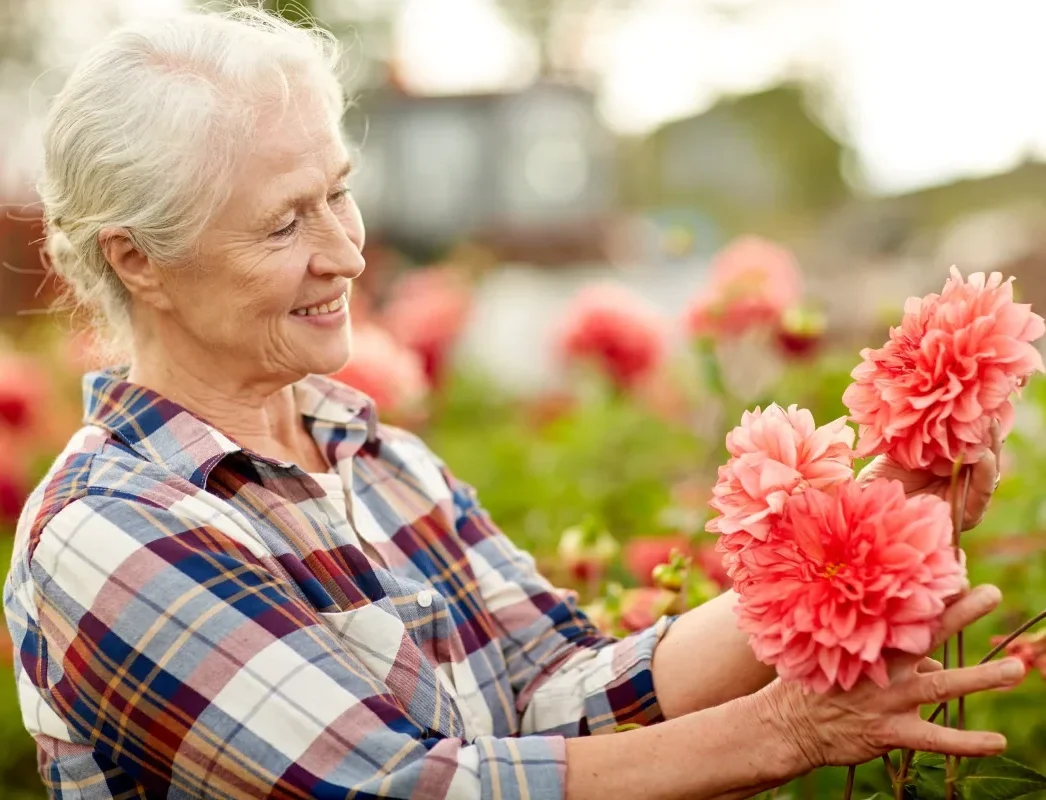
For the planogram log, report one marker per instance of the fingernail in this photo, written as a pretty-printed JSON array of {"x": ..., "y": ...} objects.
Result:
[
  {"x": 997, "y": 742},
  {"x": 988, "y": 594},
  {"x": 1012, "y": 669}
]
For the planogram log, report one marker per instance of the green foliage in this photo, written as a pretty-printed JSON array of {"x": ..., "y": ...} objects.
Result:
[{"x": 995, "y": 778}]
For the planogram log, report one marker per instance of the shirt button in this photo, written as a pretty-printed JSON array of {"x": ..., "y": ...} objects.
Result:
[{"x": 424, "y": 598}]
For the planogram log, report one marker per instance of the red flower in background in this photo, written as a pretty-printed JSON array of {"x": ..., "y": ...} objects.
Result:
[
  {"x": 849, "y": 573},
  {"x": 927, "y": 397},
  {"x": 800, "y": 332},
  {"x": 427, "y": 311},
  {"x": 642, "y": 555},
  {"x": 13, "y": 483},
  {"x": 752, "y": 283},
  {"x": 24, "y": 388},
  {"x": 617, "y": 330},
  {"x": 384, "y": 370}
]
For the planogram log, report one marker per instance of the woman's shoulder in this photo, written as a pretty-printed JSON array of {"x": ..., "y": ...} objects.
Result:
[{"x": 93, "y": 463}]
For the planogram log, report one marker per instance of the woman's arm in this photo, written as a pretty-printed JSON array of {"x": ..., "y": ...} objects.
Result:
[
  {"x": 704, "y": 660},
  {"x": 732, "y": 751},
  {"x": 571, "y": 679}
]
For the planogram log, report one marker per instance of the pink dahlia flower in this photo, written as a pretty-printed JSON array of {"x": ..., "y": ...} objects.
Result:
[
  {"x": 617, "y": 330},
  {"x": 928, "y": 396},
  {"x": 753, "y": 282},
  {"x": 773, "y": 454},
  {"x": 851, "y": 573}
]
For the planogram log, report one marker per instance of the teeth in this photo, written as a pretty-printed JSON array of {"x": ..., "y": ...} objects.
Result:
[{"x": 325, "y": 308}]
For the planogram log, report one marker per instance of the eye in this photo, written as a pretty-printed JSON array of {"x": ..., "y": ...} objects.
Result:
[
  {"x": 287, "y": 230},
  {"x": 338, "y": 195}
]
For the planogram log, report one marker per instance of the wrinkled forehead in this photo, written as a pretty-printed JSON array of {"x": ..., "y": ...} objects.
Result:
[{"x": 294, "y": 147}]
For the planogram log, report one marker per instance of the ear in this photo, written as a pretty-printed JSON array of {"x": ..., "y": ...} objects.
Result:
[{"x": 135, "y": 269}]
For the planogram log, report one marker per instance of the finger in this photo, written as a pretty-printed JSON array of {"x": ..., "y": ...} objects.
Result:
[
  {"x": 966, "y": 610},
  {"x": 984, "y": 479},
  {"x": 921, "y": 735},
  {"x": 928, "y": 665},
  {"x": 937, "y": 687},
  {"x": 996, "y": 440}
]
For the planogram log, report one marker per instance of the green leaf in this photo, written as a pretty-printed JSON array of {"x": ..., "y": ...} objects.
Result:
[
  {"x": 999, "y": 778},
  {"x": 927, "y": 774}
]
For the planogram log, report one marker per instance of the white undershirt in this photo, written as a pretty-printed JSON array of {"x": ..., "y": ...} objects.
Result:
[{"x": 333, "y": 487}]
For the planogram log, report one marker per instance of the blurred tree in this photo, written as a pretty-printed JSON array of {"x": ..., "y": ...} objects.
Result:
[{"x": 761, "y": 159}]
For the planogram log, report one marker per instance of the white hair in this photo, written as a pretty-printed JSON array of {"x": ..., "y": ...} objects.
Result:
[{"x": 145, "y": 132}]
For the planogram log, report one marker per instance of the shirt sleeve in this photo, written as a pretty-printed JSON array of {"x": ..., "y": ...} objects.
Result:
[
  {"x": 178, "y": 656},
  {"x": 568, "y": 678}
]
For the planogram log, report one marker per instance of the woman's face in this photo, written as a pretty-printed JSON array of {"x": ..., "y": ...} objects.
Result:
[{"x": 268, "y": 295}]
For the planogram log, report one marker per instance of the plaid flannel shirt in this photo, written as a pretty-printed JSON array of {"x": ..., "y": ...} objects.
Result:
[{"x": 192, "y": 620}]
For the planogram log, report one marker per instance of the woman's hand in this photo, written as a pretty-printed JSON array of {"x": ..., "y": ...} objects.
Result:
[
  {"x": 844, "y": 728},
  {"x": 984, "y": 478}
]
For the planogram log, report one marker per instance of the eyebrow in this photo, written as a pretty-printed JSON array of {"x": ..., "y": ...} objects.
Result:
[{"x": 300, "y": 199}]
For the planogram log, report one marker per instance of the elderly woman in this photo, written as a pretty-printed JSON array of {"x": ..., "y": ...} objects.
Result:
[{"x": 235, "y": 582}]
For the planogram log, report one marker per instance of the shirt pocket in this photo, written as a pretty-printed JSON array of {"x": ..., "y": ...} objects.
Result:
[{"x": 377, "y": 637}]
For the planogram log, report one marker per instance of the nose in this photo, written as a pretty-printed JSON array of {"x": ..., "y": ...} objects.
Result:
[{"x": 338, "y": 248}]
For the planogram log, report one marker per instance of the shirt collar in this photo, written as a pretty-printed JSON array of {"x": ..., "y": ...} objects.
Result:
[{"x": 163, "y": 432}]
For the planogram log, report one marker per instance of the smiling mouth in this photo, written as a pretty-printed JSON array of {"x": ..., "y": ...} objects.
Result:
[{"x": 333, "y": 307}]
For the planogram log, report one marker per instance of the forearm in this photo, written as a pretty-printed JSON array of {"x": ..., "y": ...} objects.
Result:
[
  {"x": 704, "y": 660},
  {"x": 732, "y": 751}
]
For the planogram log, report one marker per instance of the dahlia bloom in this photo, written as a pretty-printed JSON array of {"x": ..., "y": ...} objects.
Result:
[
  {"x": 850, "y": 573},
  {"x": 752, "y": 283},
  {"x": 774, "y": 454},
  {"x": 24, "y": 390},
  {"x": 617, "y": 330},
  {"x": 928, "y": 396},
  {"x": 427, "y": 311},
  {"x": 14, "y": 487},
  {"x": 390, "y": 374}
]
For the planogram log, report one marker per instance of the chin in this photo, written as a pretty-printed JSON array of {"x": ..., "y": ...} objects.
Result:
[{"x": 327, "y": 361}]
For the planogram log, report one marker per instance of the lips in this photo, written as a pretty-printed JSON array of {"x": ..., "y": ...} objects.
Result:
[{"x": 332, "y": 306}]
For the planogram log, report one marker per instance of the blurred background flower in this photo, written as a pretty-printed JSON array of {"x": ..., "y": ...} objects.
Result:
[
  {"x": 618, "y": 332},
  {"x": 388, "y": 372}
]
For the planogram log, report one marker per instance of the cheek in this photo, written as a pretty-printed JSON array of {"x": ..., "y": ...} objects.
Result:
[{"x": 240, "y": 294}]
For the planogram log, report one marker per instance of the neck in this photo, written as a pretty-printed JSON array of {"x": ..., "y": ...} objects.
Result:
[{"x": 259, "y": 416}]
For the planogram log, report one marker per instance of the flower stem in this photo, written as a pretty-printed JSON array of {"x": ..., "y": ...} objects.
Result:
[
  {"x": 960, "y": 516},
  {"x": 907, "y": 755},
  {"x": 849, "y": 790},
  {"x": 901, "y": 776},
  {"x": 889, "y": 767}
]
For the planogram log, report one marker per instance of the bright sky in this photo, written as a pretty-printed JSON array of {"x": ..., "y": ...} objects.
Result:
[{"x": 929, "y": 90}]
